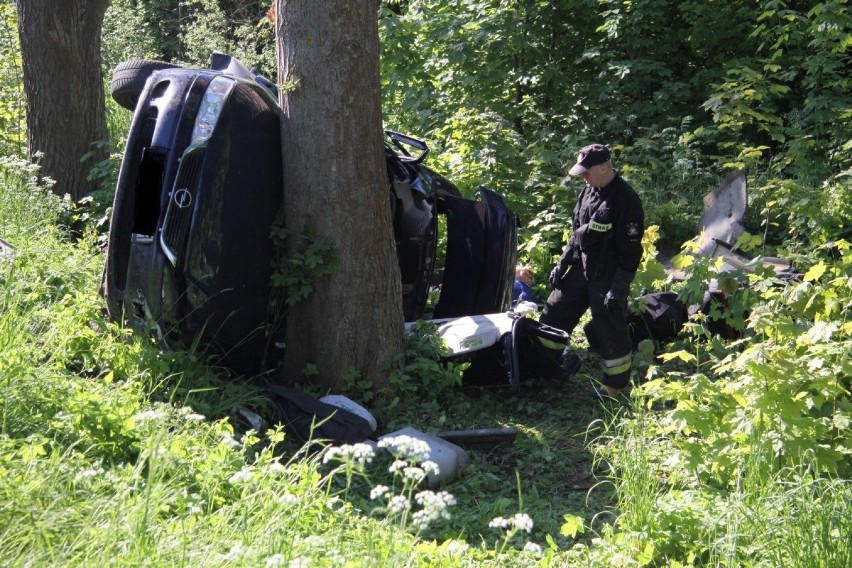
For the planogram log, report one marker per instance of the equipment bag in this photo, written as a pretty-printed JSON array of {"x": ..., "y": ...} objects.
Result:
[
  {"x": 661, "y": 321},
  {"x": 308, "y": 418}
]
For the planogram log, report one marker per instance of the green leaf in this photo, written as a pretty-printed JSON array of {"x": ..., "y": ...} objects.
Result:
[
  {"x": 572, "y": 526},
  {"x": 815, "y": 272}
]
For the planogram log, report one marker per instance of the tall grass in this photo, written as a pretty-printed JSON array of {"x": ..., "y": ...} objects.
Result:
[{"x": 113, "y": 452}]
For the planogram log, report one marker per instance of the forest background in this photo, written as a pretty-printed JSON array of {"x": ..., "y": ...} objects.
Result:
[{"x": 733, "y": 454}]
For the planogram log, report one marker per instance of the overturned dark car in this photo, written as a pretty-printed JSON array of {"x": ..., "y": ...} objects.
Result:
[{"x": 200, "y": 186}]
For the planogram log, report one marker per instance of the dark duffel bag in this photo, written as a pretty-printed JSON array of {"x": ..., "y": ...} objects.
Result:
[{"x": 661, "y": 321}]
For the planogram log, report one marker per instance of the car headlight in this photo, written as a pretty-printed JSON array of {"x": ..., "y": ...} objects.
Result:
[{"x": 211, "y": 108}]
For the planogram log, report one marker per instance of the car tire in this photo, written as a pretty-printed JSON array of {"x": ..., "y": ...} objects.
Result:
[{"x": 128, "y": 79}]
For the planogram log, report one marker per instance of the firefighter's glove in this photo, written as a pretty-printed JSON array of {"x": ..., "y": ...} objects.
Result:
[
  {"x": 616, "y": 301},
  {"x": 569, "y": 257}
]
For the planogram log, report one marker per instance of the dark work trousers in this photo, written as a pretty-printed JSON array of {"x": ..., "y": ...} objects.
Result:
[{"x": 610, "y": 333}]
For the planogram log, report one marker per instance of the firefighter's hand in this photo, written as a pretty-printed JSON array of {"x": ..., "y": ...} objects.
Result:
[
  {"x": 555, "y": 276},
  {"x": 616, "y": 301}
]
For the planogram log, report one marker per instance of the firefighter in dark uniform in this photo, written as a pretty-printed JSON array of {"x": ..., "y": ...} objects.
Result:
[{"x": 598, "y": 265}]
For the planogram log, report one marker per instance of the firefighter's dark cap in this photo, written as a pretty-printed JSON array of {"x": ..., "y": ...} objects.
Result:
[{"x": 589, "y": 156}]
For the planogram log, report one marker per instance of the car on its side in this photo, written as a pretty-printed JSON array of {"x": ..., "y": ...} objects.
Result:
[{"x": 199, "y": 191}]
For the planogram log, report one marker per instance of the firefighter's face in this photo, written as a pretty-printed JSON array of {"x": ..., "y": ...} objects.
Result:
[{"x": 599, "y": 175}]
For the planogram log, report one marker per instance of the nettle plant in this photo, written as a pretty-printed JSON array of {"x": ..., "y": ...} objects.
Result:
[{"x": 781, "y": 391}]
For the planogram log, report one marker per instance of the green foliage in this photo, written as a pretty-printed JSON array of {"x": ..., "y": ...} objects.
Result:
[
  {"x": 294, "y": 274},
  {"x": 129, "y": 33},
  {"x": 12, "y": 103},
  {"x": 189, "y": 31},
  {"x": 424, "y": 373}
]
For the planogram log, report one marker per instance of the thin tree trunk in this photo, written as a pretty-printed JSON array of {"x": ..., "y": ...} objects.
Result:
[{"x": 336, "y": 183}]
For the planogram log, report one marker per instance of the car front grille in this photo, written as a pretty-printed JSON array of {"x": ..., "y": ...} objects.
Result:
[{"x": 182, "y": 198}]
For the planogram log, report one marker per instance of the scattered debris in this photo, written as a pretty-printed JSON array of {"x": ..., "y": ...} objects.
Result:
[
  {"x": 451, "y": 459},
  {"x": 724, "y": 209},
  {"x": 483, "y": 439},
  {"x": 346, "y": 403},
  {"x": 7, "y": 251},
  {"x": 309, "y": 419}
]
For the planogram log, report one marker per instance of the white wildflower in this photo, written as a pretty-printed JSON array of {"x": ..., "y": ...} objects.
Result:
[
  {"x": 312, "y": 541},
  {"x": 151, "y": 415},
  {"x": 397, "y": 466},
  {"x": 288, "y": 499},
  {"x": 406, "y": 447},
  {"x": 241, "y": 476},
  {"x": 398, "y": 504},
  {"x": 378, "y": 491},
  {"x": 520, "y": 521},
  {"x": 188, "y": 413},
  {"x": 523, "y": 522},
  {"x": 335, "y": 504},
  {"x": 434, "y": 508},
  {"x": 457, "y": 547},
  {"x": 532, "y": 548},
  {"x": 276, "y": 560},
  {"x": 87, "y": 474},
  {"x": 236, "y": 553},
  {"x": 413, "y": 473},
  {"x": 231, "y": 442},
  {"x": 498, "y": 523},
  {"x": 360, "y": 454},
  {"x": 430, "y": 467}
]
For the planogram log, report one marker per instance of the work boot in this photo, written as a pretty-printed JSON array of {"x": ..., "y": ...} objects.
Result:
[{"x": 610, "y": 395}]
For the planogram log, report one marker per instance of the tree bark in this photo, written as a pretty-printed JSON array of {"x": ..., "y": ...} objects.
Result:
[
  {"x": 336, "y": 183},
  {"x": 60, "y": 55}
]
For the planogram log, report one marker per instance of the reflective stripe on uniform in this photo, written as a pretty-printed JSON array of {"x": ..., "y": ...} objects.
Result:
[
  {"x": 599, "y": 227},
  {"x": 617, "y": 366},
  {"x": 550, "y": 344}
]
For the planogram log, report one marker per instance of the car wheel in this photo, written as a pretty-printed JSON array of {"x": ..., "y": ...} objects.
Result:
[{"x": 128, "y": 79}]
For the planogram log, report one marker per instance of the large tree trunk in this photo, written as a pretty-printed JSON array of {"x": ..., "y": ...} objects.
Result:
[
  {"x": 60, "y": 53},
  {"x": 336, "y": 183}
]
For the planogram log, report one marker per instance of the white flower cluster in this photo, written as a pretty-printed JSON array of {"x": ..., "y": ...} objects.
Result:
[
  {"x": 360, "y": 454},
  {"x": 288, "y": 499},
  {"x": 276, "y": 560},
  {"x": 414, "y": 473},
  {"x": 378, "y": 491},
  {"x": 434, "y": 507},
  {"x": 533, "y": 549},
  {"x": 398, "y": 504},
  {"x": 88, "y": 474},
  {"x": 244, "y": 475},
  {"x": 457, "y": 547},
  {"x": 520, "y": 521},
  {"x": 231, "y": 442},
  {"x": 188, "y": 413},
  {"x": 406, "y": 447},
  {"x": 236, "y": 553},
  {"x": 150, "y": 415}
]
